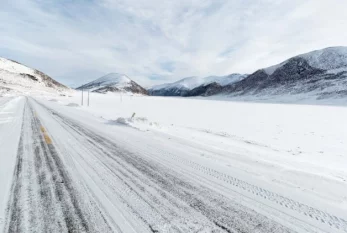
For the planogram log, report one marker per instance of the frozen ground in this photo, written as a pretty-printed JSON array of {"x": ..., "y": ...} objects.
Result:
[{"x": 155, "y": 164}]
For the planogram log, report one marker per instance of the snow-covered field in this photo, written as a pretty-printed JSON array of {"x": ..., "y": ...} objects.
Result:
[
  {"x": 284, "y": 161},
  {"x": 301, "y": 148}
]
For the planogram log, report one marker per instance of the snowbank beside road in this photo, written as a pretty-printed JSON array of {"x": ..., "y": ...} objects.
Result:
[{"x": 10, "y": 126}]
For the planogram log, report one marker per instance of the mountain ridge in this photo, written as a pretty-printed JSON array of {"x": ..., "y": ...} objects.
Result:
[
  {"x": 319, "y": 73},
  {"x": 113, "y": 82},
  {"x": 23, "y": 79},
  {"x": 183, "y": 86}
]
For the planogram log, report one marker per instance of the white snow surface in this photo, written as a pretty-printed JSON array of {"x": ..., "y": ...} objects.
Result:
[
  {"x": 295, "y": 151},
  {"x": 14, "y": 67},
  {"x": 332, "y": 58},
  {"x": 327, "y": 59},
  {"x": 190, "y": 83},
  {"x": 10, "y": 125},
  {"x": 119, "y": 81}
]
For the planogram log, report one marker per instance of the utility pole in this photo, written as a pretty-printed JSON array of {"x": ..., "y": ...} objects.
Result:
[
  {"x": 82, "y": 97},
  {"x": 88, "y": 98}
]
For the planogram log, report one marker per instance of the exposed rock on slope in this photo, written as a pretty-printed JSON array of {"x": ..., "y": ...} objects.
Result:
[
  {"x": 321, "y": 73},
  {"x": 318, "y": 74},
  {"x": 205, "y": 90}
]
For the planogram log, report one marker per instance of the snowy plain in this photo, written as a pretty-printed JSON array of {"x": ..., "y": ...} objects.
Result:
[
  {"x": 298, "y": 148},
  {"x": 296, "y": 153}
]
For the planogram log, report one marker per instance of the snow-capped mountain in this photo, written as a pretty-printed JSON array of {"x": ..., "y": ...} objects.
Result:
[
  {"x": 184, "y": 86},
  {"x": 113, "y": 82},
  {"x": 214, "y": 84},
  {"x": 332, "y": 58},
  {"x": 178, "y": 88},
  {"x": 320, "y": 74},
  {"x": 15, "y": 77}
]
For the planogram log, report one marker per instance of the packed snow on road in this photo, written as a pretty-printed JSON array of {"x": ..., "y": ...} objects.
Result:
[{"x": 133, "y": 163}]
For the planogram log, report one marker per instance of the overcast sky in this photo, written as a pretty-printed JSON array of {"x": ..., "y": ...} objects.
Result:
[{"x": 156, "y": 41}]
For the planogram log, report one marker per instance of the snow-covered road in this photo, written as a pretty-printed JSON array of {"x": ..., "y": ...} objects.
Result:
[{"x": 72, "y": 175}]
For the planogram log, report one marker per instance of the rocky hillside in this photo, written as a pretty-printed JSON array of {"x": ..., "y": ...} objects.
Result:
[
  {"x": 114, "y": 82},
  {"x": 205, "y": 90},
  {"x": 22, "y": 79},
  {"x": 321, "y": 73},
  {"x": 214, "y": 84}
]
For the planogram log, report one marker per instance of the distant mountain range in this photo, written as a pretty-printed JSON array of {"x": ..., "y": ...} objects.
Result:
[
  {"x": 184, "y": 86},
  {"x": 15, "y": 77},
  {"x": 320, "y": 73},
  {"x": 113, "y": 82}
]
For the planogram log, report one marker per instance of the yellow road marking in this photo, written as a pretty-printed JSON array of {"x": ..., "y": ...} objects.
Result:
[
  {"x": 47, "y": 138},
  {"x": 42, "y": 129}
]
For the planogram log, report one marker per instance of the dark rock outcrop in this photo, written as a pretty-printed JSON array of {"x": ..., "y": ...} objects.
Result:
[{"x": 205, "y": 90}]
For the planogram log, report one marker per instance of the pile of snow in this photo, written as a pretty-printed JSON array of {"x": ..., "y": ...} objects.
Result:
[
  {"x": 141, "y": 123},
  {"x": 72, "y": 105}
]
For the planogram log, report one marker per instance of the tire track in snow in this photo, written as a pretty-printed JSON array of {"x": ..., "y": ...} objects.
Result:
[
  {"x": 222, "y": 214},
  {"x": 144, "y": 205},
  {"x": 315, "y": 214},
  {"x": 110, "y": 149},
  {"x": 14, "y": 209},
  {"x": 43, "y": 195}
]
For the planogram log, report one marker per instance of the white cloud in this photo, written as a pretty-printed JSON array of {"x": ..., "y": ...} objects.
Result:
[{"x": 75, "y": 41}]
